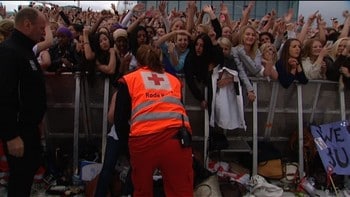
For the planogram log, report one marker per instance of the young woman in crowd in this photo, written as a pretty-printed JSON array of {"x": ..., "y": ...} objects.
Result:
[
  {"x": 269, "y": 59},
  {"x": 342, "y": 63},
  {"x": 314, "y": 65},
  {"x": 248, "y": 57},
  {"x": 174, "y": 53},
  {"x": 336, "y": 50},
  {"x": 199, "y": 64},
  {"x": 227, "y": 104},
  {"x": 137, "y": 37},
  {"x": 289, "y": 64},
  {"x": 106, "y": 60}
]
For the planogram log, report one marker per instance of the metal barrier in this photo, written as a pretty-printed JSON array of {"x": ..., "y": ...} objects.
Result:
[
  {"x": 316, "y": 102},
  {"x": 78, "y": 110}
]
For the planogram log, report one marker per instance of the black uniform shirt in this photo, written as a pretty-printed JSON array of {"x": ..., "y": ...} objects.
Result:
[{"x": 22, "y": 87}]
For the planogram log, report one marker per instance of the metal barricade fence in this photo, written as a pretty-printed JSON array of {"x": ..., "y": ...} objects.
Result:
[{"x": 79, "y": 111}]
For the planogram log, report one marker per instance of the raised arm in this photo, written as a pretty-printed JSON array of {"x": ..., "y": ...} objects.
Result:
[
  {"x": 246, "y": 13},
  {"x": 48, "y": 40},
  {"x": 139, "y": 7},
  {"x": 169, "y": 35},
  {"x": 136, "y": 23},
  {"x": 302, "y": 35},
  {"x": 214, "y": 22},
  {"x": 191, "y": 12},
  {"x": 224, "y": 11},
  {"x": 345, "y": 30},
  {"x": 164, "y": 15},
  {"x": 89, "y": 53},
  {"x": 270, "y": 19},
  {"x": 321, "y": 25},
  {"x": 199, "y": 18},
  {"x": 97, "y": 24}
]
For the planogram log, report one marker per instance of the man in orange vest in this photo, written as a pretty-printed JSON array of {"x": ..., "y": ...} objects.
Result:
[{"x": 149, "y": 99}]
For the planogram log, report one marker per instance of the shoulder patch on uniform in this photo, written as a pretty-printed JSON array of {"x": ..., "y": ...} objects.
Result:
[{"x": 33, "y": 65}]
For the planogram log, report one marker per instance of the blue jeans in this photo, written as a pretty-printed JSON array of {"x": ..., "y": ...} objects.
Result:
[{"x": 110, "y": 160}]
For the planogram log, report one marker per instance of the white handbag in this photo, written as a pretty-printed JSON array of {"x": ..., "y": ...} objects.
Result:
[{"x": 261, "y": 188}]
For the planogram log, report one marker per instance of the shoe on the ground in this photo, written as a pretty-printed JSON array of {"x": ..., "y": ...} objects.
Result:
[{"x": 217, "y": 141}]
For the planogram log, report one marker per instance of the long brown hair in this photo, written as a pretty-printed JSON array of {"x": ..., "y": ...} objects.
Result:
[
  {"x": 147, "y": 56},
  {"x": 284, "y": 57}
]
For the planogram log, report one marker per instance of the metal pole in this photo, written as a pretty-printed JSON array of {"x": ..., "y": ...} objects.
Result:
[
  {"x": 105, "y": 112},
  {"x": 314, "y": 105},
  {"x": 255, "y": 130},
  {"x": 76, "y": 123},
  {"x": 342, "y": 104},
  {"x": 206, "y": 130},
  {"x": 300, "y": 131}
]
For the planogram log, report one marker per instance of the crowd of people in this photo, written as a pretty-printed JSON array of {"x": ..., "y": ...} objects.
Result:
[{"x": 205, "y": 46}]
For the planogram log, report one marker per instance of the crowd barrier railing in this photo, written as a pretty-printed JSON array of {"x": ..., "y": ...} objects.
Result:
[{"x": 78, "y": 110}]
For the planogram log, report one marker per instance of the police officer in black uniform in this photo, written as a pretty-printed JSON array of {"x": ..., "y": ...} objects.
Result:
[{"x": 22, "y": 100}]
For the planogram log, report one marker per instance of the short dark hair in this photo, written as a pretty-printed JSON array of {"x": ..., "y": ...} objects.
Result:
[
  {"x": 265, "y": 33},
  {"x": 26, "y": 13}
]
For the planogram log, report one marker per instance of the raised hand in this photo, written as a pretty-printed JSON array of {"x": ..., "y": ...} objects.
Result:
[
  {"x": 86, "y": 30},
  {"x": 3, "y": 11},
  {"x": 162, "y": 7},
  {"x": 171, "y": 47},
  {"x": 191, "y": 7},
  {"x": 345, "y": 71},
  {"x": 207, "y": 9},
  {"x": 138, "y": 7},
  {"x": 312, "y": 17},
  {"x": 289, "y": 15},
  {"x": 223, "y": 8}
]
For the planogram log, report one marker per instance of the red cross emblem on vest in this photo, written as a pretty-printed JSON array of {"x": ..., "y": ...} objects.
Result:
[{"x": 155, "y": 79}]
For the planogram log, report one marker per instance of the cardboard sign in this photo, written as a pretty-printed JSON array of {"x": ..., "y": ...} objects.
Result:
[{"x": 332, "y": 141}]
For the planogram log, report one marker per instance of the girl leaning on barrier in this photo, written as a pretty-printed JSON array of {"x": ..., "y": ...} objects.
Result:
[
  {"x": 289, "y": 64},
  {"x": 342, "y": 64},
  {"x": 313, "y": 59}
]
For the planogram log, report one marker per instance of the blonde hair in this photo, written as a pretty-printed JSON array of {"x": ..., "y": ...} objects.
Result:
[
  {"x": 253, "y": 51},
  {"x": 6, "y": 28},
  {"x": 204, "y": 27},
  {"x": 176, "y": 20},
  {"x": 266, "y": 46},
  {"x": 334, "y": 50},
  {"x": 223, "y": 41}
]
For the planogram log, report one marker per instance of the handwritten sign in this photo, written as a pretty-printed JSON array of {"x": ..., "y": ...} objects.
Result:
[{"x": 332, "y": 141}]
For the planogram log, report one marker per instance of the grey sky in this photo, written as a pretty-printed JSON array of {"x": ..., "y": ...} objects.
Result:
[
  {"x": 327, "y": 9},
  {"x": 95, "y": 5}
]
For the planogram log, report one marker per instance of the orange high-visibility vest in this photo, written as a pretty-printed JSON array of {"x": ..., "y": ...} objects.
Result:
[{"x": 155, "y": 102}]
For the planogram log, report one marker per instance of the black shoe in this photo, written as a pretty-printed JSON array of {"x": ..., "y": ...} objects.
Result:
[{"x": 217, "y": 141}]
